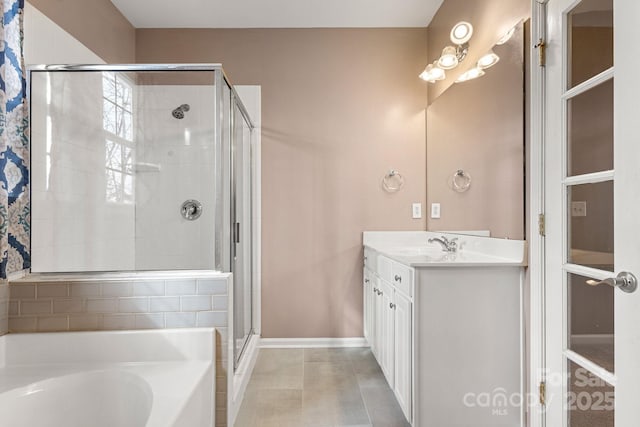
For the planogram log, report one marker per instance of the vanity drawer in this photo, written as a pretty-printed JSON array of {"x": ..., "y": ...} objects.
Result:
[{"x": 402, "y": 278}]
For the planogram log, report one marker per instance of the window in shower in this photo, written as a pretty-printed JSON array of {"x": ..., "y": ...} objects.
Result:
[{"x": 117, "y": 121}]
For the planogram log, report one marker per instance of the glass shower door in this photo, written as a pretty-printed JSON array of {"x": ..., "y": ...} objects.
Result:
[{"x": 242, "y": 231}]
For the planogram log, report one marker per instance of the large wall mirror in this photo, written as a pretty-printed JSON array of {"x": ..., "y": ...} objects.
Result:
[{"x": 475, "y": 149}]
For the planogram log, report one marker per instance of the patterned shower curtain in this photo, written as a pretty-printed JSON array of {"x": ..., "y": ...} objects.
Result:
[{"x": 14, "y": 144}]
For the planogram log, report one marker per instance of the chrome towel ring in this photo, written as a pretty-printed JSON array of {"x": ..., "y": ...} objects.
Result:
[
  {"x": 392, "y": 181},
  {"x": 461, "y": 181}
]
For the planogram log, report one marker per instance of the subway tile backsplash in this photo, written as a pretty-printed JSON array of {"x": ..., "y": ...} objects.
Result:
[{"x": 131, "y": 304}]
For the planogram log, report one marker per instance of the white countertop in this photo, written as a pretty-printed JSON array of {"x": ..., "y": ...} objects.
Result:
[{"x": 412, "y": 249}]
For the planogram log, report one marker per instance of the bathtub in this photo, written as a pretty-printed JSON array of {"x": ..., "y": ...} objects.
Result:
[{"x": 108, "y": 379}]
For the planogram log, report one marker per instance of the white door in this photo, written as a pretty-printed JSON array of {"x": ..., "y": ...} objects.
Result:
[{"x": 592, "y": 197}]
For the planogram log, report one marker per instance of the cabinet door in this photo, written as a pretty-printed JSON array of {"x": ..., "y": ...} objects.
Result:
[
  {"x": 387, "y": 315},
  {"x": 367, "y": 295},
  {"x": 403, "y": 352},
  {"x": 376, "y": 314}
]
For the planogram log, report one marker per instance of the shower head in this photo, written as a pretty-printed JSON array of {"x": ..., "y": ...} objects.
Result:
[{"x": 178, "y": 113}]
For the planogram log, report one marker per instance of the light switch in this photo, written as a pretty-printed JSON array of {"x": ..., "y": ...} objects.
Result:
[
  {"x": 578, "y": 208},
  {"x": 435, "y": 210},
  {"x": 417, "y": 210}
]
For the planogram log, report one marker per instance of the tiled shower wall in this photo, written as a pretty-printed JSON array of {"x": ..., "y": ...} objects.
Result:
[
  {"x": 183, "y": 152},
  {"x": 4, "y": 307},
  {"x": 132, "y": 304}
]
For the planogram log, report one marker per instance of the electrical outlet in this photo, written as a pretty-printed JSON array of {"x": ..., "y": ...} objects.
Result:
[
  {"x": 435, "y": 210},
  {"x": 417, "y": 210},
  {"x": 578, "y": 208}
]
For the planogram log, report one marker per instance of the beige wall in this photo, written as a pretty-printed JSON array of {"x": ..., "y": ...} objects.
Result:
[
  {"x": 96, "y": 23},
  {"x": 491, "y": 19},
  {"x": 340, "y": 108},
  {"x": 478, "y": 126}
]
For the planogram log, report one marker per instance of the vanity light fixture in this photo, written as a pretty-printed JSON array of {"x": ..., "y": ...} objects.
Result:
[
  {"x": 473, "y": 73},
  {"x": 488, "y": 60},
  {"x": 451, "y": 56},
  {"x": 461, "y": 33},
  {"x": 432, "y": 73}
]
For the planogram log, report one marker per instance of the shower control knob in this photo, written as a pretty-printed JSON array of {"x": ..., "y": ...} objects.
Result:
[{"x": 191, "y": 210}]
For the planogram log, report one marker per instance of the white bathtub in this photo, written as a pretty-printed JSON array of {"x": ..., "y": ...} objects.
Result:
[{"x": 108, "y": 379}]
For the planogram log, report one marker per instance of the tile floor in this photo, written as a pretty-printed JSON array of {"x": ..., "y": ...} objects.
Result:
[{"x": 318, "y": 387}]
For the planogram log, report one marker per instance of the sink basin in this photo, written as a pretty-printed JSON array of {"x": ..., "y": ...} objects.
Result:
[
  {"x": 411, "y": 249},
  {"x": 417, "y": 251}
]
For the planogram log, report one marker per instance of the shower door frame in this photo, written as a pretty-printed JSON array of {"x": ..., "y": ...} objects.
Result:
[
  {"x": 238, "y": 229},
  {"x": 220, "y": 78}
]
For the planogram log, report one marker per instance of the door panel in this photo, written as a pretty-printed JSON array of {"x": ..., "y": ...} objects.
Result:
[
  {"x": 403, "y": 351},
  {"x": 592, "y": 200},
  {"x": 590, "y": 127},
  {"x": 387, "y": 344},
  {"x": 590, "y": 225},
  {"x": 367, "y": 291},
  {"x": 590, "y": 400},
  {"x": 378, "y": 322}
]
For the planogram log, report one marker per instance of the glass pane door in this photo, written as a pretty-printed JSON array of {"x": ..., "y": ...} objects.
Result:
[
  {"x": 242, "y": 232},
  {"x": 588, "y": 182}
]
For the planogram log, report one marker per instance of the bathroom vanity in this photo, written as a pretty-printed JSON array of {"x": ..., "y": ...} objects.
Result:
[{"x": 446, "y": 327}]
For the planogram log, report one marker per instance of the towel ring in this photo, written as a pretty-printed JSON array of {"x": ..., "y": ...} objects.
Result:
[
  {"x": 461, "y": 181},
  {"x": 392, "y": 181}
]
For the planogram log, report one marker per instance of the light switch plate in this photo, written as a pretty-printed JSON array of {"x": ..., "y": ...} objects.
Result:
[
  {"x": 578, "y": 208},
  {"x": 417, "y": 210},
  {"x": 435, "y": 210}
]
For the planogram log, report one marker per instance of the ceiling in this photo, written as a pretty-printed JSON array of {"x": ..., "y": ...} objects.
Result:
[{"x": 277, "y": 13}]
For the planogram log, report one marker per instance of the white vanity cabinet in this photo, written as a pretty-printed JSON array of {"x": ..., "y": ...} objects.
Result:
[
  {"x": 446, "y": 328},
  {"x": 388, "y": 323}
]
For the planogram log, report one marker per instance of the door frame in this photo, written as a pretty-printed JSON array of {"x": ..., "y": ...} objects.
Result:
[{"x": 535, "y": 217}]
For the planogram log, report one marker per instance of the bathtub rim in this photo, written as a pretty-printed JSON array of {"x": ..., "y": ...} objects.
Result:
[{"x": 117, "y": 276}]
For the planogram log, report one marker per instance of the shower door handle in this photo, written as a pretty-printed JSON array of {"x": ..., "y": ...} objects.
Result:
[{"x": 236, "y": 232}]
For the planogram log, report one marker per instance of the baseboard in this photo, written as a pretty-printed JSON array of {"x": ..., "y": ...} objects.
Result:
[
  {"x": 592, "y": 339},
  {"x": 312, "y": 342}
]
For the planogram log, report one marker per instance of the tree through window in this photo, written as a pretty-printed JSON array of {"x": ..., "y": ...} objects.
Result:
[{"x": 117, "y": 121}]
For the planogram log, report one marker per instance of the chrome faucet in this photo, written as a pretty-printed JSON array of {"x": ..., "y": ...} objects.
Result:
[{"x": 450, "y": 246}]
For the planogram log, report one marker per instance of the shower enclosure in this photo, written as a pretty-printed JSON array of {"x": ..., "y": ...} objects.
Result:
[{"x": 143, "y": 167}]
